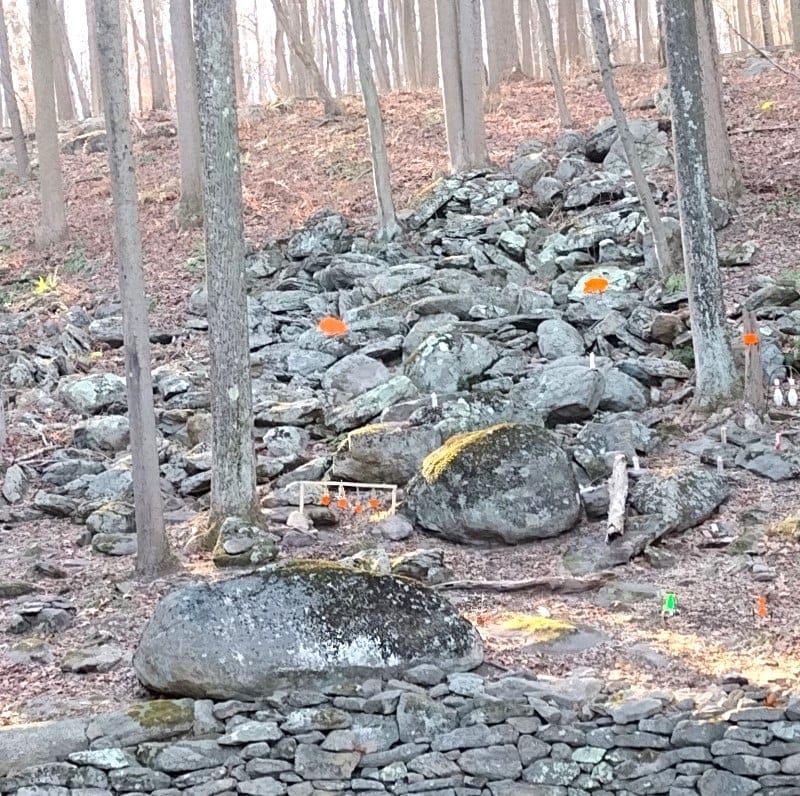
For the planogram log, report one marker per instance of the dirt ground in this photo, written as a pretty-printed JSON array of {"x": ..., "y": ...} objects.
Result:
[{"x": 292, "y": 159}]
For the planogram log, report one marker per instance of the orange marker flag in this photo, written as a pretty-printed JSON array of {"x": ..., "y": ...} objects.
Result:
[{"x": 332, "y": 326}]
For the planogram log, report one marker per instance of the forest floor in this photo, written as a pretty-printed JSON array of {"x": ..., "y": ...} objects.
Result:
[{"x": 292, "y": 158}]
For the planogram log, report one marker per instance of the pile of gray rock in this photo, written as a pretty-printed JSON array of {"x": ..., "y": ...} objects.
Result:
[
  {"x": 427, "y": 733},
  {"x": 481, "y": 303}
]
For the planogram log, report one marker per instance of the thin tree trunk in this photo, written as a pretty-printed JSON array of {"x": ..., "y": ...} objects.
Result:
[
  {"x": 83, "y": 99},
  {"x": 742, "y": 17},
  {"x": 766, "y": 23},
  {"x": 260, "y": 66},
  {"x": 17, "y": 133},
  {"x": 716, "y": 382},
  {"x": 190, "y": 208},
  {"x": 546, "y": 30},
  {"x": 283, "y": 84},
  {"x": 153, "y": 557},
  {"x": 459, "y": 26},
  {"x": 53, "y": 222},
  {"x": 94, "y": 68},
  {"x": 410, "y": 42},
  {"x": 64, "y": 100},
  {"x": 501, "y": 41},
  {"x": 333, "y": 46},
  {"x": 381, "y": 69},
  {"x": 391, "y": 42},
  {"x": 645, "y": 38},
  {"x": 524, "y": 15},
  {"x": 137, "y": 54},
  {"x": 157, "y": 93},
  {"x": 350, "y": 62},
  {"x": 241, "y": 95},
  {"x": 233, "y": 483},
  {"x": 570, "y": 26},
  {"x": 603, "y": 53},
  {"x": 795, "y": 8},
  {"x": 429, "y": 59},
  {"x": 298, "y": 70},
  {"x": 725, "y": 183},
  {"x": 162, "y": 49},
  {"x": 306, "y": 55},
  {"x": 387, "y": 221},
  {"x": 662, "y": 51}
]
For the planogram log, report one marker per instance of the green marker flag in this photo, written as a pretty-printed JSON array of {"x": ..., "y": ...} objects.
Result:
[{"x": 670, "y": 604}]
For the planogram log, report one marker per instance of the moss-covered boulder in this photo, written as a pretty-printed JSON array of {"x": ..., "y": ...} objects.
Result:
[
  {"x": 302, "y": 624},
  {"x": 509, "y": 482}
]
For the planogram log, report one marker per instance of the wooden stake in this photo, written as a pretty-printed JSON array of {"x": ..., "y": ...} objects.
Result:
[
  {"x": 617, "y": 497},
  {"x": 753, "y": 387}
]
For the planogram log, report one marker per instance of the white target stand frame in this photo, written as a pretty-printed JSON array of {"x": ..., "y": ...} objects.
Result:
[{"x": 335, "y": 485}]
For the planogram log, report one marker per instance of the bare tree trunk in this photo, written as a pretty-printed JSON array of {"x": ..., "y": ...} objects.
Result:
[
  {"x": 233, "y": 483},
  {"x": 603, "y": 53},
  {"x": 410, "y": 42},
  {"x": 241, "y": 95},
  {"x": 298, "y": 70},
  {"x": 157, "y": 93},
  {"x": 742, "y": 22},
  {"x": 391, "y": 42},
  {"x": 306, "y": 55},
  {"x": 643, "y": 27},
  {"x": 153, "y": 557},
  {"x": 66, "y": 47},
  {"x": 281, "y": 69},
  {"x": 137, "y": 54},
  {"x": 381, "y": 68},
  {"x": 350, "y": 64},
  {"x": 766, "y": 23},
  {"x": 795, "y": 7},
  {"x": 501, "y": 41},
  {"x": 333, "y": 46},
  {"x": 17, "y": 133},
  {"x": 662, "y": 51},
  {"x": 64, "y": 100},
  {"x": 260, "y": 66},
  {"x": 524, "y": 14},
  {"x": 94, "y": 68},
  {"x": 429, "y": 59},
  {"x": 190, "y": 208},
  {"x": 569, "y": 22},
  {"x": 459, "y": 26},
  {"x": 716, "y": 383},
  {"x": 162, "y": 49},
  {"x": 53, "y": 222},
  {"x": 546, "y": 28},
  {"x": 387, "y": 221},
  {"x": 725, "y": 183}
]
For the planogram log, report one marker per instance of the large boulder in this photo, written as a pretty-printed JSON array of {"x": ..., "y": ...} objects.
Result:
[
  {"x": 309, "y": 623},
  {"x": 509, "y": 483},
  {"x": 450, "y": 362},
  {"x": 89, "y": 395}
]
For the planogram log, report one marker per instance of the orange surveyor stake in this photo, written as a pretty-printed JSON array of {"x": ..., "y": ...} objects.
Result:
[
  {"x": 595, "y": 284},
  {"x": 332, "y": 326},
  {"x": 761, "y": 606}
]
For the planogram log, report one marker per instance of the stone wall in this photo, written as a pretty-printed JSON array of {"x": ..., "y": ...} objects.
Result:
[{"x": 459, "y": 735}]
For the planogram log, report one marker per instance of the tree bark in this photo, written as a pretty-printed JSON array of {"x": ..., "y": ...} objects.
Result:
[
  {"x": 766, "y": 23},
  {"x": 17, "y": 133},
  {"x": 94, "y": 68},
  {"x": 53, "y": 222},
  {"x": 716, "y": 382},
  {"x": 501, "y": 41},
  {"x": 153, "y": 557},
  {"x": 190, "y": 208},
  {"x": 233, "y": 483},
  {"x": 64, "y": 100},
  {"x": 241, "y": 95},
  {"x": 725, "y": 183},
  {"x": 546, "y": 28},
  {"x": 603, "y": 52},
  {"x": 459, "y": 25},
  {"x": 429, "y": 59},
  {"x": 410, "y": 42},
  {"x": 158, "y": 100},
  {"x": 387, "y": 221}
]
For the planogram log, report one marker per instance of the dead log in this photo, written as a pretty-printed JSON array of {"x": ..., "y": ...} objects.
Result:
[
  {"x": 554, "y": 585},
  {"x": 617, "y": 497}
]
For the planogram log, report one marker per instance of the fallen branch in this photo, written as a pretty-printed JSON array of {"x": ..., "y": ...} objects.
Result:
[
  {"x": 617, "y": 497},
  {"x": 554, "y": 585},
  {"x": 777, "y": 128}
]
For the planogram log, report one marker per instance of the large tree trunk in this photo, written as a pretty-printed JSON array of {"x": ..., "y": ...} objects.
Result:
[
  {"x": 429, "y": 59},
  {"x": 459, "y": 25},
  {"x": 766, "y": 23},
  {"x": 64, "y": 100},
  {"x": 716, "y": 382},
  {"x": 153, "y": 557},
  {"x": 724, "y": 179},
  {"x": 158, "y": 95},
  {"x": 190, "y": 208},
  {"x": 233, "y": 483},
  {"x": 546, "y": 29},
  {"x": 410, "y": 42},
  {"x": 53, "y": 222},
  {"x": 387, "y": 222},
  {"x": 17, "y": 133},
  {"x": 603, "y": 52},
  {"x": 94, "y": 67},
  {"x": 305, "y": 53}
]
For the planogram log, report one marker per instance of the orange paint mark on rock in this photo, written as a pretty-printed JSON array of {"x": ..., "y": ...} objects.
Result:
[
  {"x": 332, "y": 327},
  {"x": 595, "y": 284}
]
